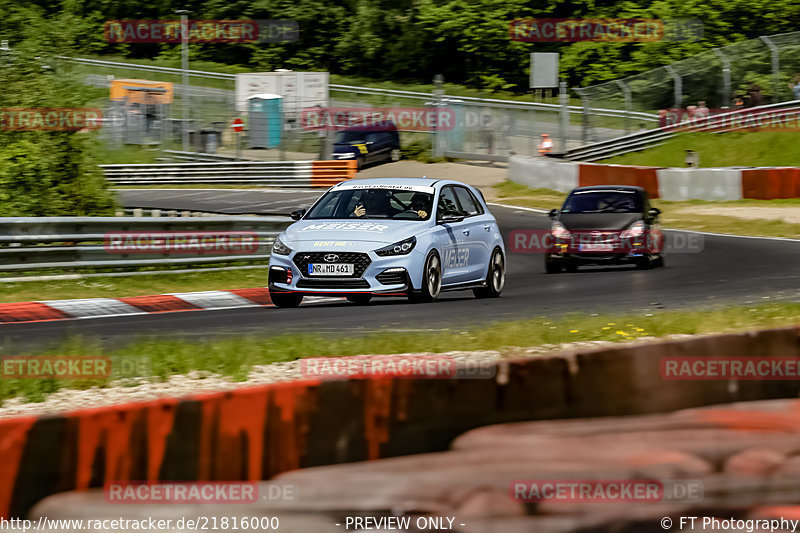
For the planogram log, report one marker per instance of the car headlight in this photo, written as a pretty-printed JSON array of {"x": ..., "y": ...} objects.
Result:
[
  {"x": 398, "y": 248},
  {"x": 635, "y": 230},
  {"x": 346, "y": 155},
  {"x": 559, "y": 231},
  {"x": 279, "y": 248}
]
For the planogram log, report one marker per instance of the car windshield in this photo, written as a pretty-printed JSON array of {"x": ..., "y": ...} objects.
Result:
[
  {"x": 373, "y": 203},
  {"x": 603, "y": 202}
]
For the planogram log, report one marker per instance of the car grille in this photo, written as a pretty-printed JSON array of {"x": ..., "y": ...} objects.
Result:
[
  {"x": 329, "y": 283},
  {"x": 392, "y": 278},
  {"x": 360, "y": 261}
]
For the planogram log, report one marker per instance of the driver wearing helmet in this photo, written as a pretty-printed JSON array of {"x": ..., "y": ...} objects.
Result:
[
  {"x": 374, "y": 202},
  {"x": 421, "y": 204}
]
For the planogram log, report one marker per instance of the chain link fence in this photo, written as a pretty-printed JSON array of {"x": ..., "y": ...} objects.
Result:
[{"x": 750, "y": 73}]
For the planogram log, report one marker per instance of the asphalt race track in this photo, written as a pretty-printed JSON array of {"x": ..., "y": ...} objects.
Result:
[{"x": 727, "y": 270}]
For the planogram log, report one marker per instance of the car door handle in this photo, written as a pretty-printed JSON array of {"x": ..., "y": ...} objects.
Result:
[
  {"x": 487, "y": 228},
  {"x": 466, "y": 232}
]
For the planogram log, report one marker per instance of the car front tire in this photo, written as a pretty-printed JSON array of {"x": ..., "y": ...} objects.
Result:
[
  {"x": 431, "y": 280},
  {"x": 495, "y": 278},
  {"x": 285, "y": 299},
  {"x": 550, "y": 266}
]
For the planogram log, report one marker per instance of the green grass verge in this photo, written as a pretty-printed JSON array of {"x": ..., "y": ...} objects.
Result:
[
  {"x": 752, "y": 149},
  {"x": 115, "y": 287},
  {"x": 235, "y": 357},
  {"x": 677, "y": 215}
]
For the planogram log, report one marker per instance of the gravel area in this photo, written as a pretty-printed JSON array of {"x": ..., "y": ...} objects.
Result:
[{"x": 142, "y": 389}]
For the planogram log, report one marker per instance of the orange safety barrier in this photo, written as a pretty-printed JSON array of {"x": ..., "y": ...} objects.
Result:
[
  {"x": 771, "y": 183},
  {"x": 329, "y": 173},
  {"x": 645, "y": 177},
  {"x": 256, "y": 432}
]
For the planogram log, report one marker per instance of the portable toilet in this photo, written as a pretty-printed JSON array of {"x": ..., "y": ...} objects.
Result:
[
  {"x": 265, "y": 120},
  {"x": 454, "y": 137}
]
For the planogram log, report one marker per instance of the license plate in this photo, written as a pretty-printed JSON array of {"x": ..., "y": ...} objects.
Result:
[
  {"x": 331, "y": 269},
  {"x": 596, "y": 247}
]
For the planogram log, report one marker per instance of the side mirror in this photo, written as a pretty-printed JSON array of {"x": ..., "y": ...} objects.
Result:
[
  {"x": 654, "y": 212},
  {"x": 553, "y": 213},
  {"x": 449, "y": 218},
  {"x": 297, "y": 215}
]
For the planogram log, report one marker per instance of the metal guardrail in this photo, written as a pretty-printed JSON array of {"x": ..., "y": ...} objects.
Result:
[
  {"x": 656, "y": 137},
  {"x": 202, "y": 157},
  {"x": 68, "y": 243},
  {"x": 292, "y": 174}
]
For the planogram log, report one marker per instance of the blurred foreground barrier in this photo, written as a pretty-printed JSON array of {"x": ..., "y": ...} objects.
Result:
[
  {"x": 605, "y": 475},
  {"x": 295, "y": 174},
  {"x": 257, "y": 432},
  {"x": 41, "y": 244},
  {"x": 672, "y": 184}
]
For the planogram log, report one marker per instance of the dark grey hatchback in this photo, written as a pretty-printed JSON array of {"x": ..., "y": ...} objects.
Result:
[{"x": 605, "y": 224}]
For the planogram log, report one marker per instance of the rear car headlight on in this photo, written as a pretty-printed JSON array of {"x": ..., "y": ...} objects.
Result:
[
  {"x": 398, "y": 248},
  {"x": 279, "y": 248},
  {"x": 559, "y": 231},
  {"x": 635, "y": 230}
]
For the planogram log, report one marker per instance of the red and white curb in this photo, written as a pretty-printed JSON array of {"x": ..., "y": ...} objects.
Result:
[{"x": 138, "y": 305}]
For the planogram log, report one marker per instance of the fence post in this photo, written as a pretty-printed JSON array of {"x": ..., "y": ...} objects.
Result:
[
  {"x": 726, "y": 77},
  {"x": 626, "y": 93},
  {"x": 676, "y": 78},
  {"x": 586, "y": 134},
  {"x": 776, "y": 66},
  {"x": 563, "y": 96}
]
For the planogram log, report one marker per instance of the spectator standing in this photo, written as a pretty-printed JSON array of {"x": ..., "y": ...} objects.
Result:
[
  {"x": 796, "y": 87},
  {"x": 546, "y": 146}
]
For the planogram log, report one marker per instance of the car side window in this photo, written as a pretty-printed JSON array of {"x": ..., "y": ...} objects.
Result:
[
  {"x": 469, "y": 205},
  {"x": 447, "y": 203}
]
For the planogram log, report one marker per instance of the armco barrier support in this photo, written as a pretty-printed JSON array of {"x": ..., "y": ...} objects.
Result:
[
  {"x": 645, "y": 177},
  {"x": 256, "y": 432},
  {"x": 713, "y": 184},
  {"x": 543, "y": 173},
  {"x": 768, "y": 183}
]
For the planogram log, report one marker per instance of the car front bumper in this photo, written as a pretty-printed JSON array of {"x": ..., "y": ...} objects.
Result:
[{"x": 391, "y": 275}]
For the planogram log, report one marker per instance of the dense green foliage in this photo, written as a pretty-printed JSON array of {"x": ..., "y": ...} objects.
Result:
[
  {"x": 44, "y": 173},
  {"x": 466, "y": 40}
]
